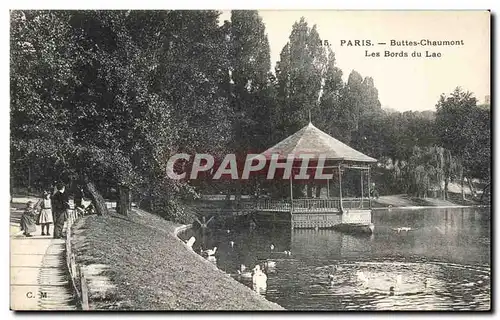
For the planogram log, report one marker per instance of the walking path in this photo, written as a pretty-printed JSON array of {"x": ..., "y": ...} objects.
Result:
[{"x": 39, "y": 279}]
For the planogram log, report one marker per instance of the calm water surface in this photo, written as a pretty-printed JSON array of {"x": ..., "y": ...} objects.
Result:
[{"x": 450, "y": 248}]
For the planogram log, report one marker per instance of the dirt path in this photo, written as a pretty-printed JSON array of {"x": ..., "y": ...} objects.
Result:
[{"x": 38, "y": 275}]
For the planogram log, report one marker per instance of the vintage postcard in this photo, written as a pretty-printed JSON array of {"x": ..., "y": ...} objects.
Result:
[{"x": 250, "y": 160}]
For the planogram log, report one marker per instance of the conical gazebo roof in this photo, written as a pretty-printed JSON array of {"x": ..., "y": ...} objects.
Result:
[{"x": 311, "y": 140}]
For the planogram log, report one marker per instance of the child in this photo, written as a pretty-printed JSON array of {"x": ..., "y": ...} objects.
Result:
[
  {"x": 45, "y": 218},
  {"x": 28, "y": 219}
]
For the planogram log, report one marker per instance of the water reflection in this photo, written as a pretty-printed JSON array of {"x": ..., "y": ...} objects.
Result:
[{"x": 442, "y": 262}]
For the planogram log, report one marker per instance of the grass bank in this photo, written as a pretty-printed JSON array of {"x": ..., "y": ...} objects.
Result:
[
  {"x": 137, "y": 263},
  {"x": 403, "y": 200}
]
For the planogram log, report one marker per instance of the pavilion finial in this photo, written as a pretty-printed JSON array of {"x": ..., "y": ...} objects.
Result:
[{"x": 310, "y": 116}]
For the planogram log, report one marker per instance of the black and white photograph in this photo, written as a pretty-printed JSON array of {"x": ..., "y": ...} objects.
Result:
[{"x": 250, "y": 160}]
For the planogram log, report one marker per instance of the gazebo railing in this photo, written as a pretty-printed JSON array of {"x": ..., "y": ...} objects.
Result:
[
  {"x": 316, "y": 204},
  {"x": 273, "y": 205},
  {"x": 312, "y": 205}
]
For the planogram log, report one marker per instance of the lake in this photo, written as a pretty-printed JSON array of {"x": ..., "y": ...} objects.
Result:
[{"x": 441, "y": 263}]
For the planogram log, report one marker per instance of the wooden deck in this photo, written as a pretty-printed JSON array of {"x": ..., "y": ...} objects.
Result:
[{"x": 299, "y": 213}]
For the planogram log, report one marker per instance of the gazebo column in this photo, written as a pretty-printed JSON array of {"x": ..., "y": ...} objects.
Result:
[
  {"x": 369, "y": 190},
  {"x": 340, "y": 189},
  {"x": 328, "y": 188},
  {"x": 361, "y": 204},
  {"x": 291, "y": 194}
]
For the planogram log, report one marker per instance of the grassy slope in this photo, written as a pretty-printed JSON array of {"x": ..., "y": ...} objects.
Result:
[
  {"x": 153, "y": 270},
  {"x": 402, "y": 200}
]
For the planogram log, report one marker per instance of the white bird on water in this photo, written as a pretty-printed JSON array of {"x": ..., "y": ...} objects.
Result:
[
  {"x": 287, "y": 252},
  {"x": 231, "y": 243},
  {"x": 190, "y": 242},
  {"x": 269, "y": 265},
  {"x": 362, "y": 277},
  {"x": 330, "y": 280},
  {"x": 402, "y": 229},
  {"x": 210, "y": 252},
  {"x": 399, "y": 280},
  {"x": 243, "y": 273},
  {"x": 272, "y": 247},
  {"x": 259, "y": 278}
]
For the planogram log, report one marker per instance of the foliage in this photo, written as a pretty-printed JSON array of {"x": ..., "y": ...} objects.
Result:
[
  {"x": 111, "y": 95},
  {"x": 299, "y": 76}
]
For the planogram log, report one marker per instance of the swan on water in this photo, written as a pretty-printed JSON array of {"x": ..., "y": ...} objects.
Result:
[
  {"x": 210, "y": 252},
  {"x": 330, "y": 280},
  {"x": 337, "y": 268},
  {"x": 426, "y": 283},
  {"x": 269, "y": 266},
  {"x": 408, "y": 289},
  {"x": 243, "y": 273},
  {"x": 399, "y": 280},
  {"x": 287, "y": 252},
  {"x": 362, "y": 277},
  {"x": 272, "y": 247},
  {"x": 259, "y": 278},
  {"x": 402, "y": 229},
  {"x": 190, "y": 242}
]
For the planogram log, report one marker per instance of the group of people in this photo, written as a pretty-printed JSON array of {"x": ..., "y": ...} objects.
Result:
[{"x": 51, "y": 209}]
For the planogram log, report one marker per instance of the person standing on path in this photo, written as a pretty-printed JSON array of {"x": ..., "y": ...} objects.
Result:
[
  {"x": 60, "y": 205},
  {"x": 78, "y": 196},
  {"x": 28, "y": 219},
  {"x": 45, "y": 219}
]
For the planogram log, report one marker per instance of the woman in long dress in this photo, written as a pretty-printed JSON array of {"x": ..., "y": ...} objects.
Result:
[
  {"x": 28, "y": 219},
  {"x": 45, "y": 217}
]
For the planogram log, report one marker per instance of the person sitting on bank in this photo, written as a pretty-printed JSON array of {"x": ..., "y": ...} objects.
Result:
[
  {"x": 80, "y": 210},
  {"x": 373, "y": 191},
  {"x": 90, "y": 209},
  {"x": 28, "y": 219},
  {"x": 45, "y": 218}
]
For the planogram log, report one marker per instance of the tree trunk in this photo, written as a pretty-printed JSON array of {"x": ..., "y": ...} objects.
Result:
[
  {"x": 129, "y": 199},
  {"x": 446, "y": 181},
  {"x": 237, "y": 197},
  {"x": 462, "y": 182},
  {"x": 97, "y": 199},
  {"x": 482, "y": 194},
  {"x": 471, "y": 187},
  {"x": 122, "y": 203}
]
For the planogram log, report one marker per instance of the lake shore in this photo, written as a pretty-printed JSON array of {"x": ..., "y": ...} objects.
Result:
[
  {"x": 405, "y": 201},
  {"x": 145, "y": 266}
]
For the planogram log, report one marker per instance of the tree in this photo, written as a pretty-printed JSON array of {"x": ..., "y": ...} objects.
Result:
[
  {"x": 464, "y": 130},
  {"x": 250, "y": 69},
  {"x": 300, "y": 76},
  {"x": 326, "y": 114},
  {"x": 108, "y": 112},
  {"x": 299, "y": 73}
]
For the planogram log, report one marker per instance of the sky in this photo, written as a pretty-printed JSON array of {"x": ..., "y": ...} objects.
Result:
[{"x": 403, "y": 83}]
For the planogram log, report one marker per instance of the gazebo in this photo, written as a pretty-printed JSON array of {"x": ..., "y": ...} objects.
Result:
[{"x": 329, "y": 155}]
